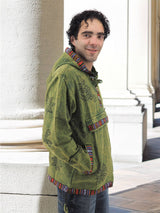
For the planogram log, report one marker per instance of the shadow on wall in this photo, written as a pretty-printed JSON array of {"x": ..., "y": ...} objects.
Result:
[
  {"x": 51, "y": 42},
  {"x": 51, "y": 47}
]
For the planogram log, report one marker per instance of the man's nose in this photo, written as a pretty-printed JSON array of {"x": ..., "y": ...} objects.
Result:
[{"x": 94, "y": 40}]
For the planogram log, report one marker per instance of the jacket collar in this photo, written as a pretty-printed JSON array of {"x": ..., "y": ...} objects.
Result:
[{"x": 93, "y": 74}]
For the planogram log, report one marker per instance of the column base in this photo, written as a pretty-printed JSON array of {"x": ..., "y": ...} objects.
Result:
[
  {"x": 149, "y": 103},
  {"x": 128, "y": 130},
  {"x": 25, "y": 186},
  {"x": 21, "y": 135},
  {"x": 146, "y": 95}
]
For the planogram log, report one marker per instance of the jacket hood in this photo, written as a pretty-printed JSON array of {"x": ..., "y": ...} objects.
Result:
[{"x": 71, "y": 58}]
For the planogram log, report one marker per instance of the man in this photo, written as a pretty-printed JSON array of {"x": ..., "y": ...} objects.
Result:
[{"x": 75, "y": 124}]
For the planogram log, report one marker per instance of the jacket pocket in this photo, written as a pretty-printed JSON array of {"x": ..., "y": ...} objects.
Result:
[
  {"x": 90, "y": 153},
  {"x": 97, "y": 121},
  {"x": 97, "y": 138}
]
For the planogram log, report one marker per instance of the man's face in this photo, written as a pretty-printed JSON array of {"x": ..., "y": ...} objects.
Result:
[{"x": 89, "y": 41}]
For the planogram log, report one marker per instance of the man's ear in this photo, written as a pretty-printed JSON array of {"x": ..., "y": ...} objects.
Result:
[{"x": 73, "y": 39}]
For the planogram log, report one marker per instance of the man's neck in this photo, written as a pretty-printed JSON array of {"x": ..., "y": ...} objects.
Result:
[{"x": 89, "y": 66}]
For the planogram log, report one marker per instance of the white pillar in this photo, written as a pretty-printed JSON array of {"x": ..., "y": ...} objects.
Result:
[
  {"x": 139, "y": 62},
  {"x": 31, "y": 41},
  {"x": 20, "y": 60}
]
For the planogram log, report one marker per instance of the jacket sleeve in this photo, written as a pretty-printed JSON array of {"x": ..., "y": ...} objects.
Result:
[{"x": 57, "y": 133}]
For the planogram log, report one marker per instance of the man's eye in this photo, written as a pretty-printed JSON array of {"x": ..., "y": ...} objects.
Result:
[
  {"x": 87, "y": 35},
  {"x": 101, "y": 37}
]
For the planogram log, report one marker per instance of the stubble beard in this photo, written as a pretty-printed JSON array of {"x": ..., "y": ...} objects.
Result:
[{"x": 88, "y": 58}]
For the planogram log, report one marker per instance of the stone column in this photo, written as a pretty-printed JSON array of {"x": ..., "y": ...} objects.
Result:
[
  {"x": 140, "y": 55},
  {"x": 31, "y": 41},
  {"x": 155, "y": 16}
]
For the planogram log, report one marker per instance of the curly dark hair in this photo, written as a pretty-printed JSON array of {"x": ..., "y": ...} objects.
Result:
[{"x": 75, "y": 23}]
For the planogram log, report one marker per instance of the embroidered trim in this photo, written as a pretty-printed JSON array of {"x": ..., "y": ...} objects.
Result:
[
  {"x": 79, "y": 191},
  {"x": 98, "y": 124},
  {"x": 78, "y": 60},
  {"x": 93, "y": 75},
  {"x": 99, "y": 97},
  {"x": 90, "y": 152}
]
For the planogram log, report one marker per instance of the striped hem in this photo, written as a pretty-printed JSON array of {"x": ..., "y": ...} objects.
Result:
[
  {"x": 98, "y": 124},
  {"x": 79, "y": 191}
]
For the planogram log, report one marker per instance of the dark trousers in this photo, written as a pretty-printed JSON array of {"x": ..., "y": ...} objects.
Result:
[{"x": 71, "y": 203}]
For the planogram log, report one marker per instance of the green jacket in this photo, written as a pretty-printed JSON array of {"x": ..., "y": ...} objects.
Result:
[{"x": 75, "y": 129}]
